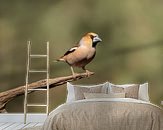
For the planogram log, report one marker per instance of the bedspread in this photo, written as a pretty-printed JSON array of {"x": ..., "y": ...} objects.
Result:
[{"x": 105, "y": 114}]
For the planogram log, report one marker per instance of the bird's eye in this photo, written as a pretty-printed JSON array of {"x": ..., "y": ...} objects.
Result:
[{"x": 92, "y": 37}]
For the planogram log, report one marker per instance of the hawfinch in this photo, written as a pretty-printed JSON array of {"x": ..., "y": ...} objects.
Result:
[{"x": 83, "y": 53}]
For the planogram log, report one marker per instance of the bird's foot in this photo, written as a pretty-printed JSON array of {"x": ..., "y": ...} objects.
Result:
[
  {"x": 74, "y": 75},
  {"x": 88, "y": 73}
]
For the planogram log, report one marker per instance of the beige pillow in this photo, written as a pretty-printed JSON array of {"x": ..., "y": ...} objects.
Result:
[
  {"x": 103, "y": 95},
  {"x": 79, "y": 91},
  {"x": 131, "y": 91}
]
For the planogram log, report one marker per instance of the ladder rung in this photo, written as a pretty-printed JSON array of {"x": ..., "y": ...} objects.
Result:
[
  {"x": 38, "y": 56},
  {"x": 35, "y": 89},
  {"x": 38, "y": 71},
  {"x": 36, "y": 105}
]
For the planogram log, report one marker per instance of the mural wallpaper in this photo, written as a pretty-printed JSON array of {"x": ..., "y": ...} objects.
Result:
[{"x": 131, "y": 50}]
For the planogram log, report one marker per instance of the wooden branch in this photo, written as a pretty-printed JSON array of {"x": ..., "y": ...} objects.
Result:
[{"x": 7, "y": 96}]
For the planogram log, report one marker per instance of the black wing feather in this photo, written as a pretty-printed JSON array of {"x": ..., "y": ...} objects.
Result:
[{"x": 71, "y": 50}]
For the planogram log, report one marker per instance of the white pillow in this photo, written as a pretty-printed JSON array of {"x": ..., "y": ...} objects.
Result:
[
  {"x": 143, "y": 90},
  {"x": 71, "y": 92}
]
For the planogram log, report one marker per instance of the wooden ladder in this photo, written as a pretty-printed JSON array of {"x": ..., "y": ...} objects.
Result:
[{"x": 29, "y": 70}]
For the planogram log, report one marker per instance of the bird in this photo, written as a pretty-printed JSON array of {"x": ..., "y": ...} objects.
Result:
[{"x": 83, "y": 53}]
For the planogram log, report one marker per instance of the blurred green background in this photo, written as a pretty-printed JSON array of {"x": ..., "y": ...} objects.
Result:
[{"x": 131, "y": 51}]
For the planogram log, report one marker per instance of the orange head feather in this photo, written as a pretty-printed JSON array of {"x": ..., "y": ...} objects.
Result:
[{"x": 90, "y": 39}]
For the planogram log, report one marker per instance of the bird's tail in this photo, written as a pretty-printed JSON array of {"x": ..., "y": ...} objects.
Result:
[{"x": 60, "y": 59}]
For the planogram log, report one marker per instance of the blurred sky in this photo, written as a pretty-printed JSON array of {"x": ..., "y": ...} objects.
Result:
[{"x": 131, "y": 51}]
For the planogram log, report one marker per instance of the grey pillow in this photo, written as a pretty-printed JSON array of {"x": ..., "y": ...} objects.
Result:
[
  {"x": 79, "y": 90},
  {"x": 131, "y": 91}
]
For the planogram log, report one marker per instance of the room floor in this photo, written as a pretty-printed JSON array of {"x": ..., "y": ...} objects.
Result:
[
  {"x": 15, "y": 121},
  {"x": 17, "y": 126}
]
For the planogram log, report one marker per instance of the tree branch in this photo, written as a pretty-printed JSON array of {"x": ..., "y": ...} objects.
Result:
[{"x": 7, "y": 96}]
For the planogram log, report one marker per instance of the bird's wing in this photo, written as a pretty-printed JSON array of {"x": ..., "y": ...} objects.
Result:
[{"x": 71, "y": 50}]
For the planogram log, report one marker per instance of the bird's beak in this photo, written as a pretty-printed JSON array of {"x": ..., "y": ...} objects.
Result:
[{"x": 96, "y": 39}]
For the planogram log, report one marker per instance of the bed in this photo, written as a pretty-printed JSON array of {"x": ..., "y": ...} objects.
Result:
[{"x": 104, "y": 107}]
